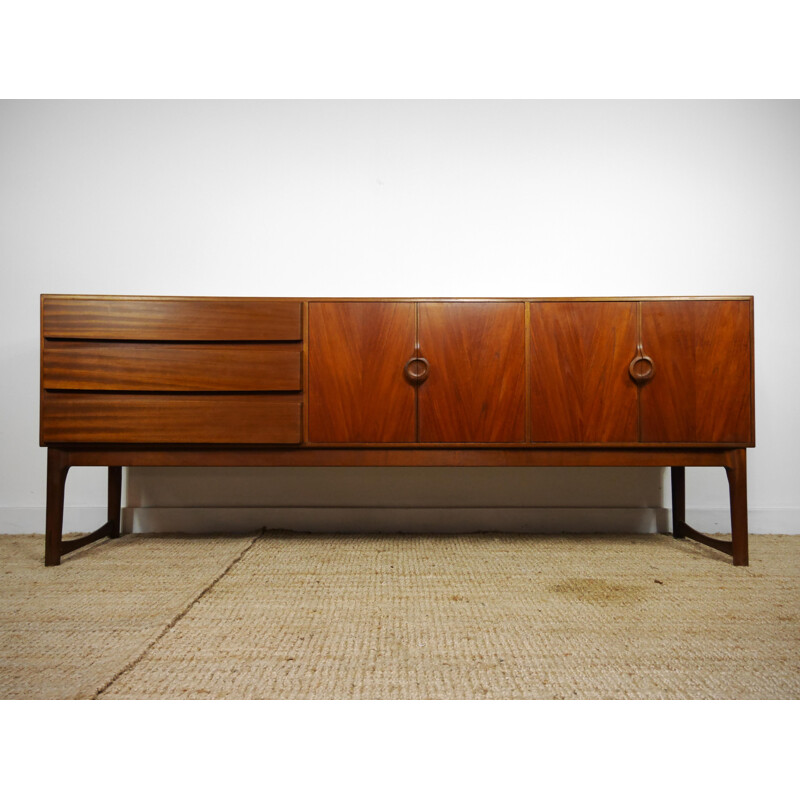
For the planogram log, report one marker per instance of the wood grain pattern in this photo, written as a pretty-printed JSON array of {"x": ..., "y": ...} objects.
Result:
[
  {"x": 170, "y": 319},
  {"x": 470, "y": 361},
  {"x": 134, "y": 366},
  {"x": 581, "y": 390},
  {"x": 702, "y": 357},
  {"x": 737, "y": 489},
  {"x": 439, "y": 456},
  {"x": 170, "y": 418},
  {"x": 357, "y": 352},
  {"x": 475, "y": 391}
]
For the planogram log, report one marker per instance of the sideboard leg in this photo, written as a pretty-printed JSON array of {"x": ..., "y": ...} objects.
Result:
[
  {"x": 57, "y": 468},
  {"x": 114, "y": 501},
  {"x": 737, "y": 483},
  {"x": 678, "y": 475},
  {"x": 54, "y": 545}
]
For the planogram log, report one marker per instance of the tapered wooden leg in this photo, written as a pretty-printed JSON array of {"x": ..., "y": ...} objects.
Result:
[
  {"x": 678, "y": 475},
  {"x": 737, "y": 483},
  {"x": 114, "y": 500},
  {"x": 57, "y": 468}
]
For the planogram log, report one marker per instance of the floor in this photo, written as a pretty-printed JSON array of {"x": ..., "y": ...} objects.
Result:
[{"x": 277, "y": 614}]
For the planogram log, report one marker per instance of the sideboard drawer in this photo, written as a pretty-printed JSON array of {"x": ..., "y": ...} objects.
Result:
[
  {"x": 171, "y": 367},
  {"x": 171, "y": 319},
  {"x": 170, "y": 418}
]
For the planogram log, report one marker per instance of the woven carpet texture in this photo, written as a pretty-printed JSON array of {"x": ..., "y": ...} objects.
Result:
[{"x": 498, "y": 616}]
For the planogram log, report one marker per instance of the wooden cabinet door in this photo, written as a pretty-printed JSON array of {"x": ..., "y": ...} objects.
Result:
[
  {"x": 475, "y": 390},
  {"x": 702, "y": 355},
  {"x": 356, "y": 389},
  {"x": 581, "y": 390}
]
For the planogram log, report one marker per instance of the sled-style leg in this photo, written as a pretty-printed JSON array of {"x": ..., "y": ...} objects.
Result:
[
  {"x": 736, "y": 546},
  {"x": 54, "y": 546}
]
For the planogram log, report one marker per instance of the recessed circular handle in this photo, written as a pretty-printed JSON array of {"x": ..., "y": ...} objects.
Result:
[
  {"x": 416, "y": 370},
  {"x": 642, "y": 368}
]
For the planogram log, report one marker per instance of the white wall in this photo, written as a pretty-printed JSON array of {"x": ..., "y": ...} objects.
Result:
[{"x": 403, "y": 198}]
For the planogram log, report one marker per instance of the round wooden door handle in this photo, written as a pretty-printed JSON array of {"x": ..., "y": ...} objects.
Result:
[
  {"x": 642, "y": 368},
  {"x": 416, "y": 374}
]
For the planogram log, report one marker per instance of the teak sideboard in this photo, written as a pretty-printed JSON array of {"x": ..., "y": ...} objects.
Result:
[{"x": 189, "y": 381}]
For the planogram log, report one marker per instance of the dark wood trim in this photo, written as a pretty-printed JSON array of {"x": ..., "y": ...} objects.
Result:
[{"x": 409, "y": 457}]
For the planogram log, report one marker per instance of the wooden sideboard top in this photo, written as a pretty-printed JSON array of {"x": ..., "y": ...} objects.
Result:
[{"x": 311, "y": 299}]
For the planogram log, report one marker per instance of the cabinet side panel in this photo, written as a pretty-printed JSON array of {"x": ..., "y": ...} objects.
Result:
[
  {"x": 475, "y": 391},
  {"x": 581, "y": 390},
  {"x": 701, "y": 388},
  {"x": 356, "y": 355}
]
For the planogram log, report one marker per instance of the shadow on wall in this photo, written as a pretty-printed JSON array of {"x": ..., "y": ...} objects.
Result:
[{"x": 388, "y": 499}]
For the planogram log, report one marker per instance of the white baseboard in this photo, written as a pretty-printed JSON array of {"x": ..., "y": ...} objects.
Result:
[
  {"x": 390, "y": 520},
  {"x": 411, "y": 520},
  {"x": 31, "y": 519}
]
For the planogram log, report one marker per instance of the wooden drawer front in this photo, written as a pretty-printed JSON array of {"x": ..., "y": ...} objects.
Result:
[
  {"x": 170, "y": 319},
  {"x": 134, "y": 366},
  {"x": 170, "y": 419}
]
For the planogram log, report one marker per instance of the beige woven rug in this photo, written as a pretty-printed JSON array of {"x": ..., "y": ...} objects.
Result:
[{"x": 282, "y": 615}]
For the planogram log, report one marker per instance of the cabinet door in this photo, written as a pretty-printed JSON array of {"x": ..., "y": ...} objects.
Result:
[
  {"x": 581, "y": 390},
  {"x": 701, "y": 388},
  {"x": 356, "y": 390},
  {"x": 475, "y": 390}
]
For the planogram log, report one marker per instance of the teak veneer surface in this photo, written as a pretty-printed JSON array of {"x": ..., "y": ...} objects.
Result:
[
  {"x": 177, "y": 367},
  {"x": 475, "y": 391},
  {"x": 402, "y": 381},
  {"x": 357, "y": 393},
  {"x": 581, "y": 390},
  {"x": 702, "y": 390},
  {"x": 170, "y": 319},
  {"x": 75, "y": 417}
]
